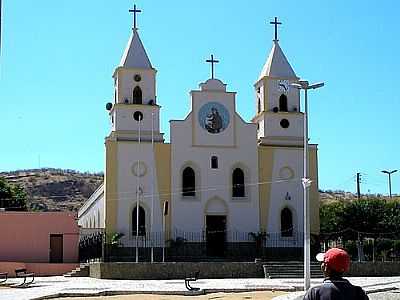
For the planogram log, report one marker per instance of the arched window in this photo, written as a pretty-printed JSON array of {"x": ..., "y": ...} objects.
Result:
[
  {"x": 237, "y": 183},
  {"x": 188, "y": 182},
  {"x": 137, "y": 95},
  {"x": 283, "y": 103},
  {"x": 286, "y": 222},
  {"x": 214, "y": 162},
  {"x": 142, "y": 221},
  {"x": 258, "y": 104}
]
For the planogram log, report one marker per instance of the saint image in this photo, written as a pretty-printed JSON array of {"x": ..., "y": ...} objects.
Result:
[{"x": 213, "y": 121}]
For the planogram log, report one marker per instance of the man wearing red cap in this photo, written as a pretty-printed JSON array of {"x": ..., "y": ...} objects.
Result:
[{"x": 334, "y": 263}]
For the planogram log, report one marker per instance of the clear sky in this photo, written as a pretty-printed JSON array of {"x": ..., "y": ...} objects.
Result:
[{"x": 58, "y": 58}]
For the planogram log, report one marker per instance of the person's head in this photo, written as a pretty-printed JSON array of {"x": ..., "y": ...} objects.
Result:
[{"x": 334, "y": 262}]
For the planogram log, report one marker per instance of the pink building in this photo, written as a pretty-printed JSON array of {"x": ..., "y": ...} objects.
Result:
[{"x": 46, "y": 243}]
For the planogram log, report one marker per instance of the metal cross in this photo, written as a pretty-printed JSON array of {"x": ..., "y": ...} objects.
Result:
[
  {"x": 212, "y": 61},
  {"x": 134, "y": 10},
  {"x": 276, "y": 23}
]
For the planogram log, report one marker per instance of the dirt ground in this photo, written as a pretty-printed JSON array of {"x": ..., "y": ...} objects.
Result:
[{"x": 265, "y": 295}]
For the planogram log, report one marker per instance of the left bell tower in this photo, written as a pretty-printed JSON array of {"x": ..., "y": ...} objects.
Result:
[
  {"x": 130, "y": 167},
  {"x": 135, "y": 106}
]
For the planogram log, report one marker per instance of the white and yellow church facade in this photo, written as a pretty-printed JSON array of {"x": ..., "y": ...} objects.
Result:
[{"x": 220, "y": 177}]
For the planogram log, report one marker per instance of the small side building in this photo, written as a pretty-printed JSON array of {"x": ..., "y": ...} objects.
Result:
[{"x": 46, "y": 243}]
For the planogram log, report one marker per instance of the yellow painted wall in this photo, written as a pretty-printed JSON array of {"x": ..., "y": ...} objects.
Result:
[
  {"x": 265, "y": 162},
  {"x": 162, "y": 154},
  {"x": 314, "y": 194},
  {"x": 110, "y": 186}
]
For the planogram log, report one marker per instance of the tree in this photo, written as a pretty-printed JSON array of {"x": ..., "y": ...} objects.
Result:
[
  {"x": 331, "y": 219},
  {"x": 12, "y": 196}
]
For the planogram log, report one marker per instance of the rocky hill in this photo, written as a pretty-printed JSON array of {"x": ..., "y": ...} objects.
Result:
[
  {"x": 55, "y": 189},
  {"x": 66, "y": 190}
]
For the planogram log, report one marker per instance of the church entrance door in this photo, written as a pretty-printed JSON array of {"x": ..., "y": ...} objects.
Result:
[{"x": 216, "y": 235}]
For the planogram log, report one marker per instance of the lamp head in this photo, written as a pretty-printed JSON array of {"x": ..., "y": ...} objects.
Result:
[{"x": 316, "y": 85}]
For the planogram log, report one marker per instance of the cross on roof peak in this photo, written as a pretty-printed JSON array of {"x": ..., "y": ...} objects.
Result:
[
  {"x": 134, "y": 11},
  {"x": 276, "y": 23},
  {"x": 212, "y": 61}
]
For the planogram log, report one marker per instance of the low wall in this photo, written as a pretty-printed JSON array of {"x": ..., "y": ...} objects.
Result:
[
  {"x": 176, "y": 270},
  {"x": 40, "y": 269},
  {"x": 363, "y": 269},
  {"x": 179, "y": 270}
]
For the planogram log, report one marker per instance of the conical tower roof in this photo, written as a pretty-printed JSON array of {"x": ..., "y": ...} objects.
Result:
[
  {"x": 135, "y": 55},
  {"x": 277, "y": 64}
]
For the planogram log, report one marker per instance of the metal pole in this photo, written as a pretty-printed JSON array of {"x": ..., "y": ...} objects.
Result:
[
  {"x": 163, "y": 238},
  {"x": 152, "y": 190},
  {"x": 306, "y": 202},
  {"x": 137, "y": 201},
  {"x": 390, "y": 185}
]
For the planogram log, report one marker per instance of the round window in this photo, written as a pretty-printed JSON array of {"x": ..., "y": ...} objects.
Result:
[
  {"x": 137, "y": 77},
  {"x": 284, "y": 123},
  {"x": 138, "y": 116}
]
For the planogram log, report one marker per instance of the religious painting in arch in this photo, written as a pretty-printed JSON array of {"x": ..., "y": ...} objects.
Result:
[
  {"x": 213, "y": 117},
  {"x": 286, "y": 222},
  {"x": 137, "y": 95},
  {"x": 142, "y": 221}
]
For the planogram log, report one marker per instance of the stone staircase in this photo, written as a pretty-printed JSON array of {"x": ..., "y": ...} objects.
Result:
[
  {"x": 290, "y": 269},
  {"x": 81, "y": 271}
]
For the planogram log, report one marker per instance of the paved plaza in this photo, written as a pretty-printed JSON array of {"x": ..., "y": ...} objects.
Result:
[{"x": 57, "y": 286}]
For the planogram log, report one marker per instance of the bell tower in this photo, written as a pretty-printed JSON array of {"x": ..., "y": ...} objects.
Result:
[
  {"x": 278, "y": 116},
  {"x": 131, "y": 147},
  {"x": 135, "y": 107}
]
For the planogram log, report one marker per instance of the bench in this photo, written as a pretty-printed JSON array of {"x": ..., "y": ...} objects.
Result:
[
  {"x": 21, "y": 273},
  {"x": 192, "y": 278},
  {"x": 3, "y": 277}
]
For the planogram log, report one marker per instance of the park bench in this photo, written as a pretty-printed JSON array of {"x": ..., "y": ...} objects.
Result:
[
  {"x": 3, "y": 277},
  {"x": 192, "y": 278},
  {"x": 21, "y": 273}
]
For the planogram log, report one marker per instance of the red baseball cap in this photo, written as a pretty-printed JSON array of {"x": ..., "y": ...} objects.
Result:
[{"x": 336, "y": 259}]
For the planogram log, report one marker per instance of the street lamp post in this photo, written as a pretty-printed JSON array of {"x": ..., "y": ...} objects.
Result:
[
  {"x": 304, "y": 85},
  {"x": 389, "y": 173}
]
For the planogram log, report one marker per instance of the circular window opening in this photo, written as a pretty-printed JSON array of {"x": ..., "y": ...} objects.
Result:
[
  {"x": 138, "y": 116},
  {"x": 284, "y": 123},
  {"x": 137, "y": 77}
]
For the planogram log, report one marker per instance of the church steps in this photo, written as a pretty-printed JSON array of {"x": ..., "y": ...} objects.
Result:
[{"x": 290, "y": 270}]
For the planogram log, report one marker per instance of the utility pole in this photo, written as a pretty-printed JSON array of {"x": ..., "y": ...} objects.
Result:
[{"x": 358, "y": 186}]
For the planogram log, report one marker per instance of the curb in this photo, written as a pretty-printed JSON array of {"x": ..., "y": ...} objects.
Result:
[
  {"x": 300, "y": 295},
  {"x": 178, "y": 293}
]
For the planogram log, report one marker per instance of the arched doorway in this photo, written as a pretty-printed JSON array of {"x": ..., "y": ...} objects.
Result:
[{"x": 286, "y": 222}]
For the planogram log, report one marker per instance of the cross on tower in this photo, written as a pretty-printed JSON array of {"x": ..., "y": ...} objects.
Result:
[
  {"x": 276, "y": 23},
  {"x": 212, "y": 61},
  {"x": 134, "y": 10}
]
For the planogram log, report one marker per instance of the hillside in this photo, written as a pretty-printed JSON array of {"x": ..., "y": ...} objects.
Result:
[
  {"x": 66, "y": 190},
  {"x": 55, "y": 189}
]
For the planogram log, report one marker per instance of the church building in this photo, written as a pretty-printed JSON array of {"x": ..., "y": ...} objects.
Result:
[{"x": 220, "y": 177}]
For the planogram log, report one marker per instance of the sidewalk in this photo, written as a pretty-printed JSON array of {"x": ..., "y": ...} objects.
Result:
[{"x": 57, "y": 286}]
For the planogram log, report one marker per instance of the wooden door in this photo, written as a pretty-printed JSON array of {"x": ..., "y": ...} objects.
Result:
[{"x": 56, "y": 248}]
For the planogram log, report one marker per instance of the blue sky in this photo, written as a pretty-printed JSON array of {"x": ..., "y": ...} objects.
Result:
[{"x": 58, "y": 58}]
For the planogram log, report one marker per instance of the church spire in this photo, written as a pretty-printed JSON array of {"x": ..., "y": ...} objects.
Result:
[
  {"x": 277, "y": 64},
  {"x": 135, "y": 55}
]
